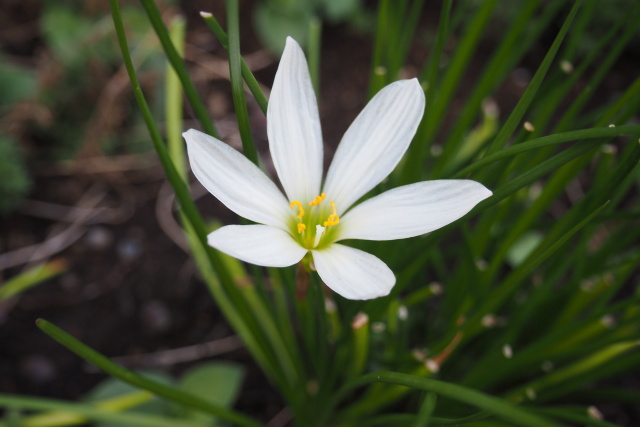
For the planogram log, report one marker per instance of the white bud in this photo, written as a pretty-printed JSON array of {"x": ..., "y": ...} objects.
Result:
[
  {"x": 531, "y": 393},
  {"x": 436, "y": 288},
  {"x": 360, "y": 320},
  {"x": 378, "y": 327},
  {"x": 403, "y": 312},
  {"x": 566, "y": 66},
  {"x": 594, "y": 413},
  {"x": 507, "y": 351},
  {"x": 432, "y": 365}
]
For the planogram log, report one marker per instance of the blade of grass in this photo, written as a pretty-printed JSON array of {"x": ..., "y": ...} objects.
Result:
[
  {"x": 247, "y": 75},
  {"x": 378, "y": 61},
  {"x": 62, "y": 418},
  {"x": 508, "y": 286},
  {"x": 313, "y": 53},
  {"x": 429, "y": 79},
  {"x": 89, "y": 412},
  {"x": 453, "y": 391},
  {"x": 117, "y": 371},
  {"x": 177, "y": 182},
  {"x": 576, "y": 135},
  {"x": 527, "y": 98},
  {"x": 30, "y": 278},
  {"x": 457, "y": 66},
  {"x": 237, "y": 89},
  {"x": 279, "y": 366},
  {"x": 178, "y": 65},
  {"x": 424, "y": 417},
  {"x": 515, "y": 43},
  {"x": 187, "y": 205},
  {"x": 577, "y": 416}
]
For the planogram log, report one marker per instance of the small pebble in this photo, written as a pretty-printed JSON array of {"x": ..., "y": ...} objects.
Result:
[
  {"x": 156, "y": 317},
  {"x": 129, "y": 249},
  {"x": 99, "y": 238},
  {"x": 38, "y": 369}
]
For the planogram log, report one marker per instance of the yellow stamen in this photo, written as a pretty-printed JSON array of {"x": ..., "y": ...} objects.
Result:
[
  {"x": 333, "y": 218},
  {"x": 297, "y": 204},
  {"x": 317, "y": 200},
  {"x": 301, "y": 228}
]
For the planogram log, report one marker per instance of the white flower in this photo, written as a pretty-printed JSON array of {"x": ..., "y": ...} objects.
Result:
[{"x": 311, "y": 217}]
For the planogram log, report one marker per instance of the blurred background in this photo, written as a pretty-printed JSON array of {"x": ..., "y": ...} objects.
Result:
[{"x": 86, "y": 218}]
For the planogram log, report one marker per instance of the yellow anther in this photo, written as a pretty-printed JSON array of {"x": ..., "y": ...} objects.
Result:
[
  {"x": 333, "y": 218},
  {"x": 301, "y": 228},
  {"x": 297, "y": 204},
  {"x": 317, "y": 200}
]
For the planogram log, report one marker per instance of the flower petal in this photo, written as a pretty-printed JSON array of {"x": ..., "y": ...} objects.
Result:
[
  {"x": 375, "y": 142},
  {"x": 257, "y": 244},
  {"x": 293, "y": 127},
  {"x": 412, "y": 210},
  {"x": 235, "y": 181},
  {"x": 353, "y": 273}
]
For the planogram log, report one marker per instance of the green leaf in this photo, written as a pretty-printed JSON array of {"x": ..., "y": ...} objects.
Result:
[
  {"x": 523, "y": 247},
  {"x": 79, "y": 412},
  {"x": 16, "y": 83},
  {"x": 113, "y": 388},
  {"x": 274, "y": 24},
  {"x": 338, "y": 10},
  {"x": 215, "y": 382},
  {"x": 30, "y": 278},
  {"x": 14, "y": 180},
  {"x": 65, "y": 31}
]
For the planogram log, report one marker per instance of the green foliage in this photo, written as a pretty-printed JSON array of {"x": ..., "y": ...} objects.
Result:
[
  {"x": 277, "y": 19},
  {"x": 112, "y": 388},
  {"x": 14, "y": 179},
  {"x": 17, "y": 83},
  {"x": 216, "y": 382}
]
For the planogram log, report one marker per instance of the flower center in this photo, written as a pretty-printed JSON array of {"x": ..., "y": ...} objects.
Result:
[{"x": 312, "y": 229}]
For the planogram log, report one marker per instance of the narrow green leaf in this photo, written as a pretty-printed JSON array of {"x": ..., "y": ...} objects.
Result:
[
  {"x": 507, "y": 287},
  {"x": 424, "y": 417},
  {"x": 178, "y": 65},
  {"x": 100, "y": 361},
  {"x": 578, "y": 416},
  {"x": 87, "y": 411},
  {"x": 247, "y": 75},
  {"x": 456, "y": 392},
  {"x": 429, "y": 78},
  {"x": 313, "y": 53},
  {"x": 237, "y": 88},
  {"x": 527, "y": 98},
  {"x": 577, "y": 135},
  {"x": 30, "y": 278}
]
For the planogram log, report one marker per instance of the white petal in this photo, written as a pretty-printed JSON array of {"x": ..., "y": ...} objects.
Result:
[
  {"x": 235, "y": 181},
  {"x": 258, "y": 244},
  {"x": 412, "y": 210},
  {"x": 293, "y": 127},
  {"x": 353, "y": 273},
  {"x": 375, "y": 142}
]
